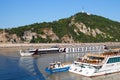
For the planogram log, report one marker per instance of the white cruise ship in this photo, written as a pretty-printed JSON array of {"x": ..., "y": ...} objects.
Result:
[{"x": 97, "y": 64}]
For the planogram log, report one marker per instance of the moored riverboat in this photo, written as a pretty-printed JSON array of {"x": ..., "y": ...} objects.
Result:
[{"x": 97, "y": 64}]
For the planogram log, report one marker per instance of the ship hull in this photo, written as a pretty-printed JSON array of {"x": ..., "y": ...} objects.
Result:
[
  {"x": 50, "y": 71},
  {"x": 93, "y": 73}
]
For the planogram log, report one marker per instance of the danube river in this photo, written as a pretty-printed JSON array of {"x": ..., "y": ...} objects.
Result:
[{"x": 15, "y": 67}]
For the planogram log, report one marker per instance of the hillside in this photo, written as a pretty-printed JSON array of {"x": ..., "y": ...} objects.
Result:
[{"x": 79, "y": 28}]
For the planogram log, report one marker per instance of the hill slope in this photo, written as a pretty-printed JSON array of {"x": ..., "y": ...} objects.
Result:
[{"x": 81, "y": 27}]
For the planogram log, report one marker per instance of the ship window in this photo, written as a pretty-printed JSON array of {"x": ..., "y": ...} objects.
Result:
[
  {"x": 92, "y": 57},
  {"x": 113, "y": 60}
]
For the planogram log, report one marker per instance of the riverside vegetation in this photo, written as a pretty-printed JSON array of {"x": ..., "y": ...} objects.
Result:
[{"x": 79, "y": 28}]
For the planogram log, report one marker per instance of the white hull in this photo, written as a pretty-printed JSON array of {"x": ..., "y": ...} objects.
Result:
[
  {"x": 97, "y": 64},
  {"x": 92, "y": 73},
  {"x": 26, "y": 53}
]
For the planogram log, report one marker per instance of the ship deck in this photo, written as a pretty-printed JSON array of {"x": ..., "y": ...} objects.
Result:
[{"x": 98, "y": 59}]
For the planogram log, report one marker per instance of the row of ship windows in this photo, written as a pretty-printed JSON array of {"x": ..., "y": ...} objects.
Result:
[
  {"x": 113, "y": 60},
  {"x": 84, "y": 49}
]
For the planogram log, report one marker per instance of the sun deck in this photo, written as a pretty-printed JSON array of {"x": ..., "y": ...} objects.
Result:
[{"x": 98, "y": 59}]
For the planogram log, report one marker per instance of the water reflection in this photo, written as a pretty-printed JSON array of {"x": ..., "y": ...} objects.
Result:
[
  {"x": 8, "y": 68},
  {"x": 31, "y": 68},
  {"x": 29, "y": 65},
  {"x": 16, "y": 68}
]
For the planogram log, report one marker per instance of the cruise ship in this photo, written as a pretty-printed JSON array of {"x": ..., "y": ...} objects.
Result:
[{"x": 97, "y": 64}]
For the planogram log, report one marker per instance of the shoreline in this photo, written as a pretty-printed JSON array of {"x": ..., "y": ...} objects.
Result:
[{"x": 45, "y": 45}]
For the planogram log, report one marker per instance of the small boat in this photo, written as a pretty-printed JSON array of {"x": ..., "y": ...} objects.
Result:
[
  {"x": 57, "y": 67},
  {"x": 28, "y": 52},
  {"x": 97, "y": 64}
]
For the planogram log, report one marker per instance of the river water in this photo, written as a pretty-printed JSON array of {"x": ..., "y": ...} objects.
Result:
[{"x": 33, "y": 68}]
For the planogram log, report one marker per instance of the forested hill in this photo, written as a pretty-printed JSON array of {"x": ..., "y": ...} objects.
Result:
[{"x": 79, "y": 28}]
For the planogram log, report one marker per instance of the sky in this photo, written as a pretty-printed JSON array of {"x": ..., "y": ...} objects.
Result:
[{"x": 15, "y": 13}]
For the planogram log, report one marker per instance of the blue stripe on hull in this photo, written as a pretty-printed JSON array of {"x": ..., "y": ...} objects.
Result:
[{"x": 50, "y": 71}]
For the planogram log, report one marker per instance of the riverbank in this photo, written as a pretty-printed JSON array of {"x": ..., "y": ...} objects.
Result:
[{"x": 46, "y": 45}]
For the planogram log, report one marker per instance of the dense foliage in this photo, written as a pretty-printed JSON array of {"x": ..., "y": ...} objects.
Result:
[
  {"x": 62, "y": 27},
  {"x": 107, "y": 26}
]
